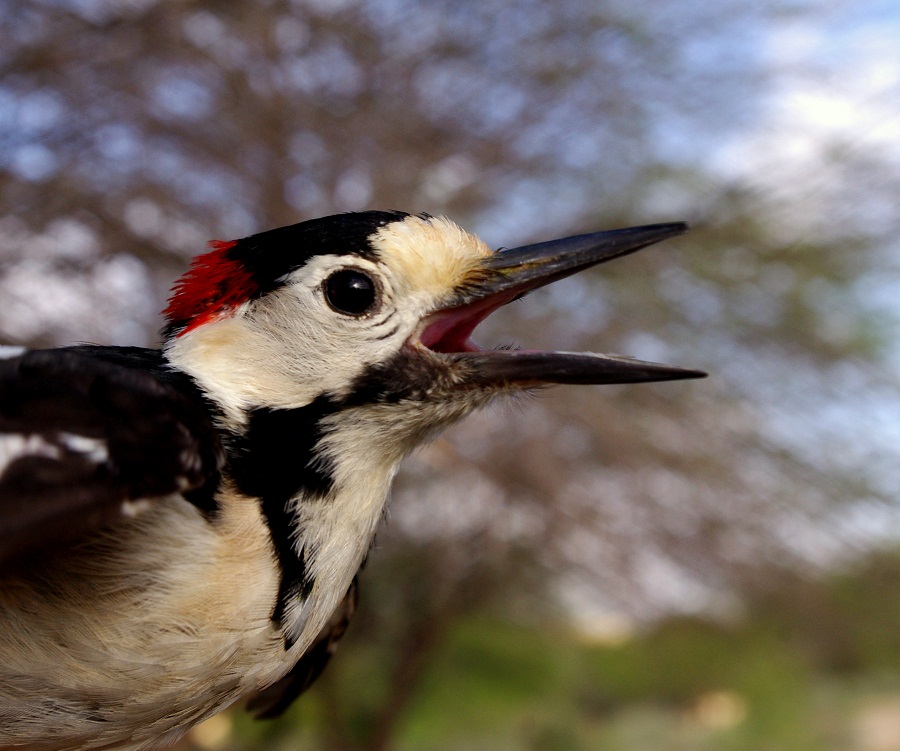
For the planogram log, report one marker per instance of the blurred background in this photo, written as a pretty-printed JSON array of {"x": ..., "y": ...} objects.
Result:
[{"x": 707, "y": 565}]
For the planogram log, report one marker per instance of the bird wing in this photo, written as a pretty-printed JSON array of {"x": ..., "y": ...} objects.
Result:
[
  {"x": 87, "y": 432},
  {"x": 275, "y": 699}
]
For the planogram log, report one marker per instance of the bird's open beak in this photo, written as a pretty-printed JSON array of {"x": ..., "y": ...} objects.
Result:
[{"x": 507, "y": 275}]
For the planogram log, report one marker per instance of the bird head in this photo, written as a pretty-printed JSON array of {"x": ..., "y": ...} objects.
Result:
[
  {"x": 378, "y": 308},
  {"x": 330, "y": 349}
]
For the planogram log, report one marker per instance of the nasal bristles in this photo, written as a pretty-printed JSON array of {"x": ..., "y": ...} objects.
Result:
[{"x": 214, "y": 285}]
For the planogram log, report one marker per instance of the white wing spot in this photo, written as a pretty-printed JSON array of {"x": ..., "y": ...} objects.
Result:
[
  {"x": 132, "y": 509},
  {"x": 8, "y": 352},
  {"x": 14, "y": 446},
  {"x": 189, "y": 460},
  {"x": 92, "y": 448}
]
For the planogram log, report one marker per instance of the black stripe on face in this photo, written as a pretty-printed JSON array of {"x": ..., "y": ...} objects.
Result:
[
  {"x": 407, "y": 376},
  {"x": 270, "y": 256},
  {"x": 277, "y": 460},
  {"x": 389, "y": 334}
]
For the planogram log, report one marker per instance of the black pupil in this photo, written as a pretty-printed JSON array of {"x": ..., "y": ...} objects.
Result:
[{"x": 350, "y": 292}]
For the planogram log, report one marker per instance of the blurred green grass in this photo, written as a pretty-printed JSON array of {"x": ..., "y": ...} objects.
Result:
[{"x": 812, "y": 666}]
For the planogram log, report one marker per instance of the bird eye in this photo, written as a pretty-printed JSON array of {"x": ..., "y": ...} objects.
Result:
[{"x": 351, "y": 292}]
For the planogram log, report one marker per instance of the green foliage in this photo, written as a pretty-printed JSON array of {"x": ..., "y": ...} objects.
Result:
[{"x": 488, "y": 676}]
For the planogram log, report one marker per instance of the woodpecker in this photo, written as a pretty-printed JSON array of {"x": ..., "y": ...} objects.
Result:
[{"x": 182, "y": 528}]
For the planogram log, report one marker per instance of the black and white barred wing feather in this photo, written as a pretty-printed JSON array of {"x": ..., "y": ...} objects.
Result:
[{"x": 88, "y": 435}]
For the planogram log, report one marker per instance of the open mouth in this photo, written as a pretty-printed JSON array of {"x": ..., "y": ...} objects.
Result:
[
  {"x": 509, "y": 274},
  {"x": 450, "y": 331}
]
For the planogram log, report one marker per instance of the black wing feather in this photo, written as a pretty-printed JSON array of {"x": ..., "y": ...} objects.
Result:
[{"x": 81, "y": 432}]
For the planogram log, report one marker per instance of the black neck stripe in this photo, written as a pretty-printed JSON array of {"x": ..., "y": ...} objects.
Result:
[{"x": 278, "y": 459}]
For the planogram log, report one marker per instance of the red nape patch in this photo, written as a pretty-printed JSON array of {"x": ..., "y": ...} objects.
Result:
[{"x": 213, "y": 286}]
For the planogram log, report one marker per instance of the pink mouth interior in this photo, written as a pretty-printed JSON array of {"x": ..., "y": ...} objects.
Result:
[{"x": 450, "y": 330}]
